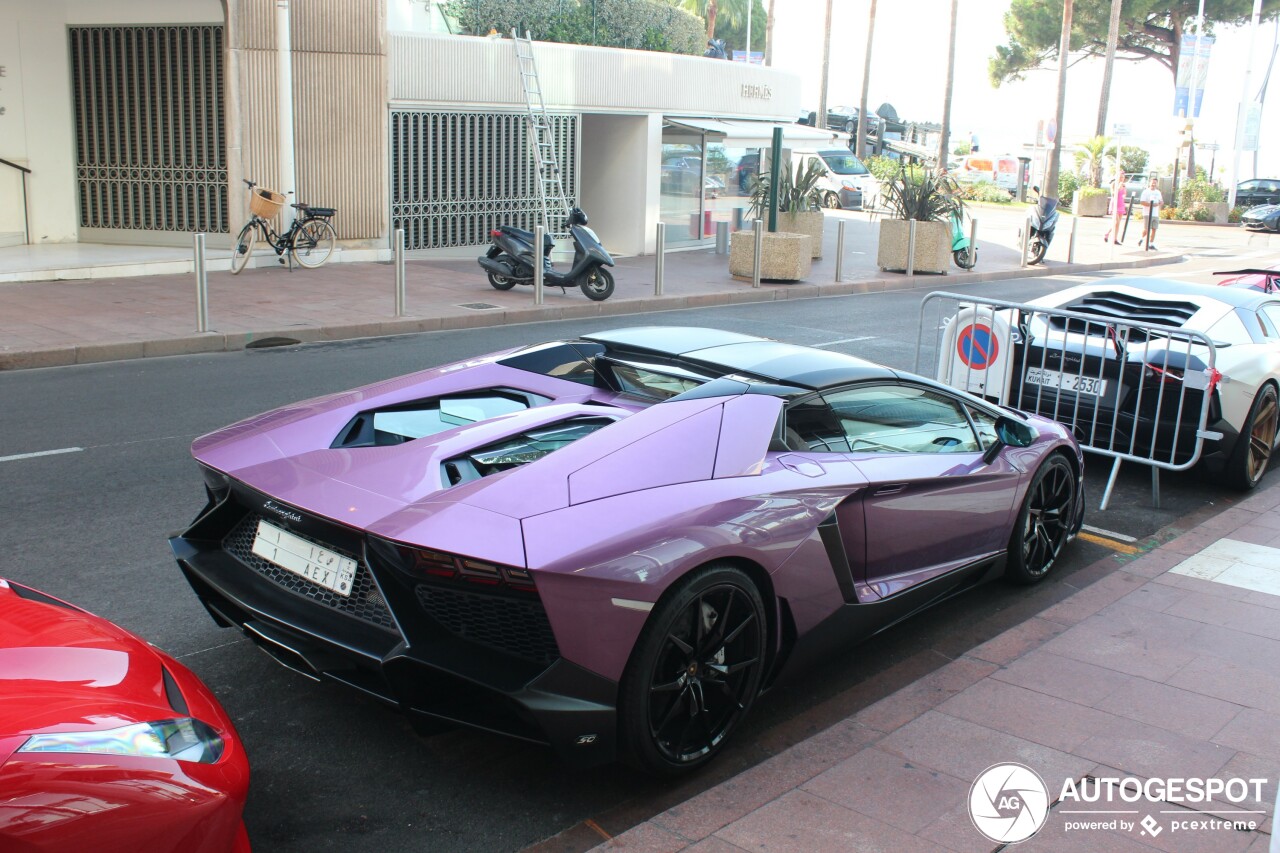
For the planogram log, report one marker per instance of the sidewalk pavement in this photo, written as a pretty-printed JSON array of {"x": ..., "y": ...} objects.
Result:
[
  {"x": 51, "y": 323},
  {"x": 1167, "y": 668}
]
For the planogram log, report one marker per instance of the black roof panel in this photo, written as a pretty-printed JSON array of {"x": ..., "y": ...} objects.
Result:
[
  {"x": 791, "y": 364},
  {"x": 668, "y": 340}
]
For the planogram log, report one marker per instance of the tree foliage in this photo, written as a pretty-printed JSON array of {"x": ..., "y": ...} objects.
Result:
[
  {"x": 716, "y": 12},
  {"x": 644, "y": 24},
  {"x": 1089, "y": 158},
  {"x": 1149, "y": 29}
]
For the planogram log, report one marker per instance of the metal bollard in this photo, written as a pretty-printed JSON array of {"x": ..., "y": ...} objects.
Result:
[
  {"x": 538, "y": 239},
  {"x": 1071, "y": 244},
  {"x": 911, "y": 247},
  {"x": 757, "y": 247},
  {"x": 202, "y": 287},
  {"x": 840, "y": 250},
  {"x": 660, "y": 259},
  {"x": 973, "y": 240},
  {"x": 399, "y": 263},
  {"x": 722, "y": 238},
  {"x": 1026, "y": 237},
  {"x": 737, "y": 218}
]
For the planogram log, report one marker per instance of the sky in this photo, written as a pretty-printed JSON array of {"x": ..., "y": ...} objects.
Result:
[{"x": 909, "y": 67}]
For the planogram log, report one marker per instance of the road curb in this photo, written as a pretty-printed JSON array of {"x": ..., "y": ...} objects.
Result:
[{"x": 211, "y": 342}]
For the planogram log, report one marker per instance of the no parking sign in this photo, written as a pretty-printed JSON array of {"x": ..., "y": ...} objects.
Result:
[{"x": 974, "y": 352}]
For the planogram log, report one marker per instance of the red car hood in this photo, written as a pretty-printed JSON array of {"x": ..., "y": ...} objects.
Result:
[{"x": 63, "y": 669}]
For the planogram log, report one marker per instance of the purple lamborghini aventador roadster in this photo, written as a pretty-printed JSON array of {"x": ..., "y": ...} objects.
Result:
[{"x": 614, "y": 544}]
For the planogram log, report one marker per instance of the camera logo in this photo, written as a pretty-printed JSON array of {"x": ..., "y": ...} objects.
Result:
[{"x": 1008, "y": 803}]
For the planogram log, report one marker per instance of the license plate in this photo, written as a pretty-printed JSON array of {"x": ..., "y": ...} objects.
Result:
[
  {"x": 294, "y": 554},
  {"x": 1090, "y": 385}
]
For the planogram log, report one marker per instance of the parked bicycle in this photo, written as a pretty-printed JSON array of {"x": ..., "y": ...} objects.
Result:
[{"x": 309, "y": 240}]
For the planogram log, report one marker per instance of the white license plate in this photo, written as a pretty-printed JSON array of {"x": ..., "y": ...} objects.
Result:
[
  {"x": 295, "y": 554},
  {"x": 1090, "y": 385}
]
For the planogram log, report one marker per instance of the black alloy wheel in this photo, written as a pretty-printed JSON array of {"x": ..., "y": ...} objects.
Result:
[
  {"x": 1044, "y": 523},
  {"x": 501, "y": 282},
  {"x": 1252, "y": 453},
  {"x": 965, "y": 259},
  {"x": 695, "y": 671},
  {"x": 597, "y": 284}
]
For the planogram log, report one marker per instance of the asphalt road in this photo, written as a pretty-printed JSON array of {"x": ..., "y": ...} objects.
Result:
[{"x": 333, "y": 771}]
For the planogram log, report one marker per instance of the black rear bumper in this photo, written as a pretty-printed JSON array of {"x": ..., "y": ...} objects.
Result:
[{"x": 409, "y": 662}]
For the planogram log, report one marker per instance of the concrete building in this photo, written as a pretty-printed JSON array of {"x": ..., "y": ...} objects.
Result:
[{"x": 136, "y": 121}]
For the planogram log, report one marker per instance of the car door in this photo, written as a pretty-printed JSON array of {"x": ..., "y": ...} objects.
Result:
[
  {"x": 1272, "y": 192},
  {"x": 932, "y": 504}
]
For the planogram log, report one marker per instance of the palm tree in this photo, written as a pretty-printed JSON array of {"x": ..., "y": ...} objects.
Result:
[
  {"x": 768, "y": 35},
  {"x": 946, "y": 104},
  {"x": 733, "y": 10},
  {"x": 1090, "y": 156},
  {"x": 826, "y": 70},
  {"x": 866, "y": 80}
]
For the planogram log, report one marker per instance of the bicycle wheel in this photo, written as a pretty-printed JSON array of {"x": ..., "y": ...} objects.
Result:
[
  {"x": 313, "y": 243},
  {"x": 242, "y": 248}
]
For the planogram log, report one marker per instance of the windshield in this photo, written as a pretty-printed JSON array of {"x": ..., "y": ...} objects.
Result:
[{"x": 844, "y": 163}]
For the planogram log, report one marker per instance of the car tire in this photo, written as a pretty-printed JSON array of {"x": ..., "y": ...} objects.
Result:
[
  {"x": 1252, "y": 453},
  {"x": 1044, "y": 522},
  {"x": 850, "y": 126},
  {"x": 831, "y": 201},
  {"x": 694, "y": 672}
]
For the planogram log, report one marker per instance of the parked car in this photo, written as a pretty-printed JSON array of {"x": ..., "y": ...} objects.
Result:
[
  {"x": 107, "y": 744},
  {"x": 846, "y": 119},
  {"x": 1258, "y": 191},
  {"x": 1243, "y": 322},
  {"x": 999, "y": 170},
  {"x": 846, "y": 182},
  {"x": 614, "y": 544},
  {"x": 1264, "y": 217}
]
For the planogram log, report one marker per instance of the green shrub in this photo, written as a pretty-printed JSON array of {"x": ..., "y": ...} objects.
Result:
[
  {"x": 643, "y": 24},
  {"x": 1235, "y": 214},
  {"x": 983, "y": 191},
  {"x": 1202, "y": 214},
  {"x": 1199, "y": 191},
  {"x": 1068, "y": 183},
  {"x": 1168, "y": 212},
  {"x": 1092, "y": 192}
]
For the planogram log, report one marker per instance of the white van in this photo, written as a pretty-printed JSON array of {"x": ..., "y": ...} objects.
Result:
[
  {"x": 1000, "y": 170},
  {"x": 845, "y": 181}
]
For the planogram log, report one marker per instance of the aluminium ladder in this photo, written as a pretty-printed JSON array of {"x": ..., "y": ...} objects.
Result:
[{"x": 541, "y": 136}]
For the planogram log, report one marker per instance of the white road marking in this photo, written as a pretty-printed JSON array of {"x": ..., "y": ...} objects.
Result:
[
  {"x": 1111, "y": 534},
  {"x": 18, "y": 456},
  {"x": 844, "y": 341}
]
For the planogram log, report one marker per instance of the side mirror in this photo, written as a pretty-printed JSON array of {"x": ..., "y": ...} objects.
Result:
[{"x": 1009, "y": 433}]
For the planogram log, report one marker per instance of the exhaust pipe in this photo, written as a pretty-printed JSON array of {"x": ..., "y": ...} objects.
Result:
[{"x": 497, "y": 267}]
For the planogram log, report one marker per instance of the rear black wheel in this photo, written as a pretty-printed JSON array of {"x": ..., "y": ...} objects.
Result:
[
  {"x": 1038, "y": 248},
  {"x": 694, "y": 672},
  {"x": 597, "y": 284},
  {"x": 313, "y": 243},
  {"x": 1044, "y": 523},
  {"x": 501, "y": 282},
  {"x": 242, "y": 248},
  {"x": 1252, "y": 453}
]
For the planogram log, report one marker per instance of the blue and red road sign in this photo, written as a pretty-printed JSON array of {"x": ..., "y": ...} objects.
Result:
[{"x": 977, "y": 346}]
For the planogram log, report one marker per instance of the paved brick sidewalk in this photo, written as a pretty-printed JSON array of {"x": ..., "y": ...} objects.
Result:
[
  {"x": 50, "y": 323},
  {"x": 1167, "y": 668}
]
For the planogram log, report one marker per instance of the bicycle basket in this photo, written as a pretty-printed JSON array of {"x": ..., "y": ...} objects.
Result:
[{"x": 265, "y": 203}]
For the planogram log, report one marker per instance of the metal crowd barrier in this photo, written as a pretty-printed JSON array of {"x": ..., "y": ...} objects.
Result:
[{"x": 985, "y": 346}]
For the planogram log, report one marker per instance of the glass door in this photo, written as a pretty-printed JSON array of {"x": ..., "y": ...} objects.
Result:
[{"x": 681, "y": 195}]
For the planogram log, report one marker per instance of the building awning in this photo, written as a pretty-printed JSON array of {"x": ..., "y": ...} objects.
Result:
[{"x": 740, "y": 133}]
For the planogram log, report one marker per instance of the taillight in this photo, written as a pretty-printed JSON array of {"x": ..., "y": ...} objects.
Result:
[
  {"x": 450, "y": 566},
  {"x": 495, "y": 233}
]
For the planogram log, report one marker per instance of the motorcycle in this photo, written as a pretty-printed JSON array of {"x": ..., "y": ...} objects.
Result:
[
  {"x": 1042, "y": 220},
  {"x": 509, "y": 260},
  {"x": 717, "y": 49},
  {"x": 965, "y": 257}
]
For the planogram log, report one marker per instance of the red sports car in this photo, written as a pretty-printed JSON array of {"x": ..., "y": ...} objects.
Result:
[{"x": 107, "y": 743}]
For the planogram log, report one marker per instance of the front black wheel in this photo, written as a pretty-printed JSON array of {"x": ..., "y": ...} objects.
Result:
[
  {"x": 966, "y": 259},
  {"x": 242, "y": 248},
  {"x": 1252, "y": 453},
  {"x": 1044, "y": 523},
  {"x": 597, "y": 284},
  {"x": 694, "y": 672},
  {"x": 1038, "y": 249}
]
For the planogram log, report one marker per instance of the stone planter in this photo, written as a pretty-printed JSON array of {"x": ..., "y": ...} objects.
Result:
[
  {"x": 783, "y": 256},
  {"x": 933, "y": 246},
  {"x": 1219, "y": 210},
  {"x": 807, "y": 222},
  {"x": 1094, "y": 205}
]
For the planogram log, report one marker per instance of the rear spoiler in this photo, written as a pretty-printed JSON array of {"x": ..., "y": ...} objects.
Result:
[{"x": 1272, "y": 275}]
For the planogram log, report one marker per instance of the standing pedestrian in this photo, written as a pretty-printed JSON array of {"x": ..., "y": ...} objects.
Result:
[
  {"x": 1151, "y": 200},
  {"x": 1117, "y": 205}
]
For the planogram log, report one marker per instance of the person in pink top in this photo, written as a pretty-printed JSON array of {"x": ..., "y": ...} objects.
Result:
[{"x": 1117, "y": 205}]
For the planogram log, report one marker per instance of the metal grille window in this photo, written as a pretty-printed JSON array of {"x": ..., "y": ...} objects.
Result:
[
  {"x": 150, "y": 135},
  {"x": 457, "y": 176}
]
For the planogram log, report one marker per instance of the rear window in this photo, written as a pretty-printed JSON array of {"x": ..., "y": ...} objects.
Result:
[
  {"x": 654, "y": 384},
  {"x": 974, "y": 164},
  {"x": 408, "y": 421},
  {"x": 518, "y": 450}
]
